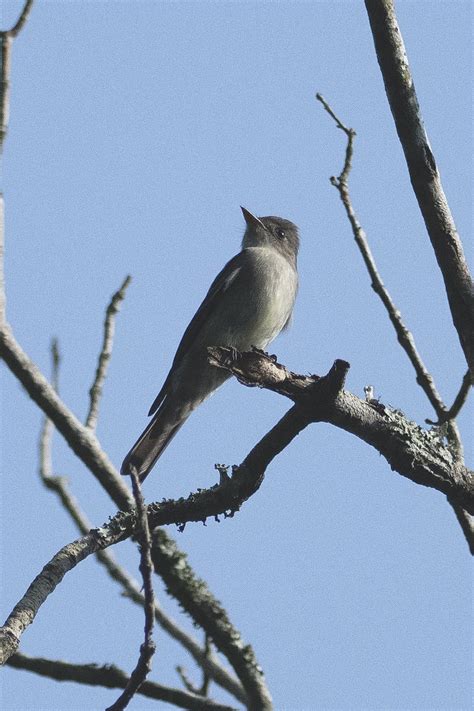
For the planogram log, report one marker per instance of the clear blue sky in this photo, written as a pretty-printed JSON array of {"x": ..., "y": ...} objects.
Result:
[{"x": 137, "y": 129}]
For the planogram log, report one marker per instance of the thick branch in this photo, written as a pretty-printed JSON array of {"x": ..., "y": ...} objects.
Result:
[
  {"x": 415, "y": 453},
  {"x": 418, "y": 454},
  {"x": 193, "y": 594},
  {"x": 423, "y": 171},
  {"x": 111, "y": 677}
]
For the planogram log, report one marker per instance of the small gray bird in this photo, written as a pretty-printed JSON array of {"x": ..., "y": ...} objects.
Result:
[{"x": 248, "y": 304}]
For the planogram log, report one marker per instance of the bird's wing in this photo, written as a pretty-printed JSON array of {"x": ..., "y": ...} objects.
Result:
[{"x": 220, "y": 285}]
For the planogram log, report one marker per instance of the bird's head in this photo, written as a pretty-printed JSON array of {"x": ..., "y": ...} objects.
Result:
[{"x": 271, "y": 231}]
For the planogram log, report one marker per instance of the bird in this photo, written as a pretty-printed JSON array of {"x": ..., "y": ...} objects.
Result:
[{"x": 249, "y": 302}]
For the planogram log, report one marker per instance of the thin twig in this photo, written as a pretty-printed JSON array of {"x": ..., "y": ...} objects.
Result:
[
  {"x": 458, "y": 403},
  {"x": 18, "y": 26},
  {"x": 111, "y": 677},
  {"x": 405, "y": 338},
  {"x": 46, "y": 434},
  {"x": 466, "y": 521},
  {"x": 95, "y": 391},
  {"x": 206, "y": 679},
  {"x": 203, "y": 690},
  {"x": 148, "y": 647},
  {"x": 186, "y": 681},
  {"x": 6, "y": 39}
]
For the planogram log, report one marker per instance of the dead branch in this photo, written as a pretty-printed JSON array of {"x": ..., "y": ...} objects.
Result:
[
  {"x": 147, "y": 649},
  {"x": 95, "y": 391},
  {"x": 112, "y": 677},
  {"x": 424, "y": 175}
]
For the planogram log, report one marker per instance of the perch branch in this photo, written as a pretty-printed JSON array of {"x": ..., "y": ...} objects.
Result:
[{"x": 415, "y": 453}]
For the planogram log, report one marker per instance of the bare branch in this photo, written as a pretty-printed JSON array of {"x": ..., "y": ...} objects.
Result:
[
  {"x": 81, "y": 440},
  {"x": 209, "y": 663},
  {"x": 18, "y": 26},
  {"x": 111, "y": 677},
  {"x": 413, "y": 452},
  {"x": 147, "y": 649},
  {"x": 2, "y": 262},
  {"x": 466, "y": 521},
  {"x": 405, "y": 338},
  {"x": 5, "y": 51},
  {"x": 424, "y": 175},
  {"x": 42, "y": 586},
  {"x": 84, "y": 443},
  {"x": 458, "y": 403},
  {"x": 194, "y": 596},
  {"x": 204, "y": 688},
  {"x": 6, "y": 39},
  {"x": 46, "y": 434},
  {"x": 211, "y": 666},
  {"x": 95, "y": 391}
]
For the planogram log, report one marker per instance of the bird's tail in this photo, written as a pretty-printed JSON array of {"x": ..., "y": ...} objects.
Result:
[{"x": 154, "y": 439}]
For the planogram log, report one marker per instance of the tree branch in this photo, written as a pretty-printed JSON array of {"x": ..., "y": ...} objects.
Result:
[
  {"x": 6, "y": 39},
  {"x": 405, "y": 338},
  {"x": 81, "y": 440},
  {"x": 413, "y": 452},
  {"x": 111, "y": 677},
  {"x": 203, "y": 690},
  {"x": 95, "y": 391},
  {"x": 209, "y": 663},
  {"x": 148, "y": 647},
  {"x": 84, "y": 443},
  {"x": 423, "y": 170},
  {"x": 18, "y": 26},
  {"x": 192, "y": 593},
  {"x": 458, "y": 403},
  {"x": 466, "y": 521}
]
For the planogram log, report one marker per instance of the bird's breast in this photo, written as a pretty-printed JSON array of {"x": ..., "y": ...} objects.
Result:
[{"x": 263, "y": 301}]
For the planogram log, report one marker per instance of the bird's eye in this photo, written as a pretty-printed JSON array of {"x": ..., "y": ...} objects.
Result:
[{"x": 281, "y": 234}]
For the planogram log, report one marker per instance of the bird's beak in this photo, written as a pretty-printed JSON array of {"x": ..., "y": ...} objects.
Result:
[{"x": 251, "y": 220}]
